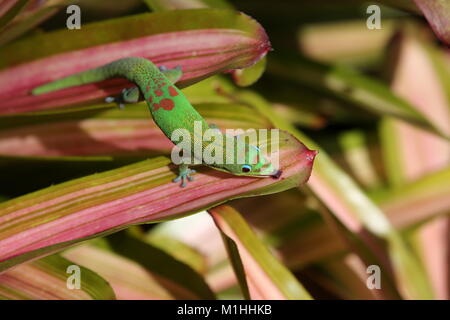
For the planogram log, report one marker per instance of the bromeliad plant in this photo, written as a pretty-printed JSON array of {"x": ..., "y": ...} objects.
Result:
[{"x": 84, "y": 184}]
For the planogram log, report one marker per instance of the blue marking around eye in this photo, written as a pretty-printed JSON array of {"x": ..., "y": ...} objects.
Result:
[{"x": 247, "y": 166}]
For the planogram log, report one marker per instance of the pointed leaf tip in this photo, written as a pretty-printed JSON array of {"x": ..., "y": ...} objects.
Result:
[
  {"x": 61, "y": 215},
  {"x": 437, "y": 12}
]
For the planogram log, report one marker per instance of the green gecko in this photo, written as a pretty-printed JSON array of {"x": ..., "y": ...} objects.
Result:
[{"x": 170, "y": 109}]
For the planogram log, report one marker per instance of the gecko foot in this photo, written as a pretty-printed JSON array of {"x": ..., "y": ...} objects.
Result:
[
  {"x": 184, "y": 176},
  {"x": 120, "y": 104},
  {"x": 128, "y": 95}
]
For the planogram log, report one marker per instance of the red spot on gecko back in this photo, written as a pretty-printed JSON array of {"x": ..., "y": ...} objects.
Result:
[
  {"x": 158, "y": 92},
  {"x": 167, "y": 104},
  {"x": 173, "y": 92}
]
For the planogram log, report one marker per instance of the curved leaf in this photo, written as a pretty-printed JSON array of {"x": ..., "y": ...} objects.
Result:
[
  {"x": 248, "y": 76},
  {"x": 165, "y": 5},
  {"x": 175, "y": 276},
  {"x": 109, "y": 132},
  {"x": 352, "y": 86},
  {"x": 219, "y": 273},
  {"x": 55, "y": 217},
  {"x": 36, "y": 12},
  {"x": 9, "y": 9},
  {"x": 178, "y": 250},
  {"x": 437, "y": 13},
  {"x": 357, "y": 214},
  {"x": 224, "y": 41},
  {"x": 264, "y": 275},
  {"x": 46, "y": 279},
  {"x": 417, "y": 202},
  {"x": 128, "y": 279}
]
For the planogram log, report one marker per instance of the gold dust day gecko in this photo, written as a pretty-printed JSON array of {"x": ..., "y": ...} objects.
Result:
[{"x": 170, "y": 109}]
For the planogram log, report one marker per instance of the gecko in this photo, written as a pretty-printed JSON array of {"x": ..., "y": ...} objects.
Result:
[{"x": 170, "y": 109}]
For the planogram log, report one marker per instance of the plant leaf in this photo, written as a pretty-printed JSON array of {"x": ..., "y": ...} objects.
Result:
[
  {"x": 409, "y": 152},
  {"x": 35, "y": 13},
  {"x": 143, "y": 192},
  {"x": 412, "y": 153},
  {"x": 178, "y": 250},
  {"x": 108, "y": 132},
  {"x": 9, "y": 9},
  {"x": 416, "y": 202},
  {"x": 355, "y": 212},
  {"x": 166, "y": 5},
  {"x": 401, "y": 4},
  {"x": 328, "y": 42},
  {"x": 352, "y": 86},
  {"x": 177, "y": 277},
  {"x": 265, "y": 276},
  {"x": 248, "y": 76},
  {"x": 229, "y": 40},
  {"x": 437, "y": 13},
  {"x": 128, "y": 279},
  {"x": 46, "y": 279}
]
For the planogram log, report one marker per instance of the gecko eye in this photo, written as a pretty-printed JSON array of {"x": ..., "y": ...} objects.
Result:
[{"x": 246, "y": 168}]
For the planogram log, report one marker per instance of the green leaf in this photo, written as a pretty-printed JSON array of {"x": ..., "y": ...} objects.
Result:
[
  {"x": 248, "y": 76},
  {"x": 9, "y": 10},
  {"x": 265, "y": 276},
  {"x": 230, "y": 40},
  {"x": 129, "y": 279},
  {"x": 47, "y": 279},
  {"x": 108, "y": 132},
  {"x": 164, "y": 5},
  {"x": 355, "y": 212},
  {"x": 178, "y": 249},
  {"x": 88, "y": 207},
  {"x": 437, "y": 13},
  {"x": 348, "y": 84},
  {"x": 417, "y": 202},
  {"x": 186, "y": 282},
  {"x": 30, "y": 19}
]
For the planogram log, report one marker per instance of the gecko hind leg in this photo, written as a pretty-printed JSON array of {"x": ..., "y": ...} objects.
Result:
[
  {"x": 131, "y": 95},
  {"x": 184, "y": 175},
  {"x": 173, "y": 74},
  {"x": 128, "y": 95}
]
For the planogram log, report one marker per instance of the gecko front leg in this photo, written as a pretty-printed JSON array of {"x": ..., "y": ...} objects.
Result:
[{"x": 184, "y": 175}]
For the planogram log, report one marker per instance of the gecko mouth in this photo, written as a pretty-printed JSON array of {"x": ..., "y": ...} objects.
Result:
[{"x": 277, "y": 174}]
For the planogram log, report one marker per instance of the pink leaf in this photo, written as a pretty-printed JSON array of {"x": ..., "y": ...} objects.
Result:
[
  {"x": 201, "y": 48},
  {"x": 437, "y": 13},
  {"x": 58, "y": 216}
]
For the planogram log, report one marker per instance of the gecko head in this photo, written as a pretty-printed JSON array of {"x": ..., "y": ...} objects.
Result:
[{"x": 255, "y": 165}]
